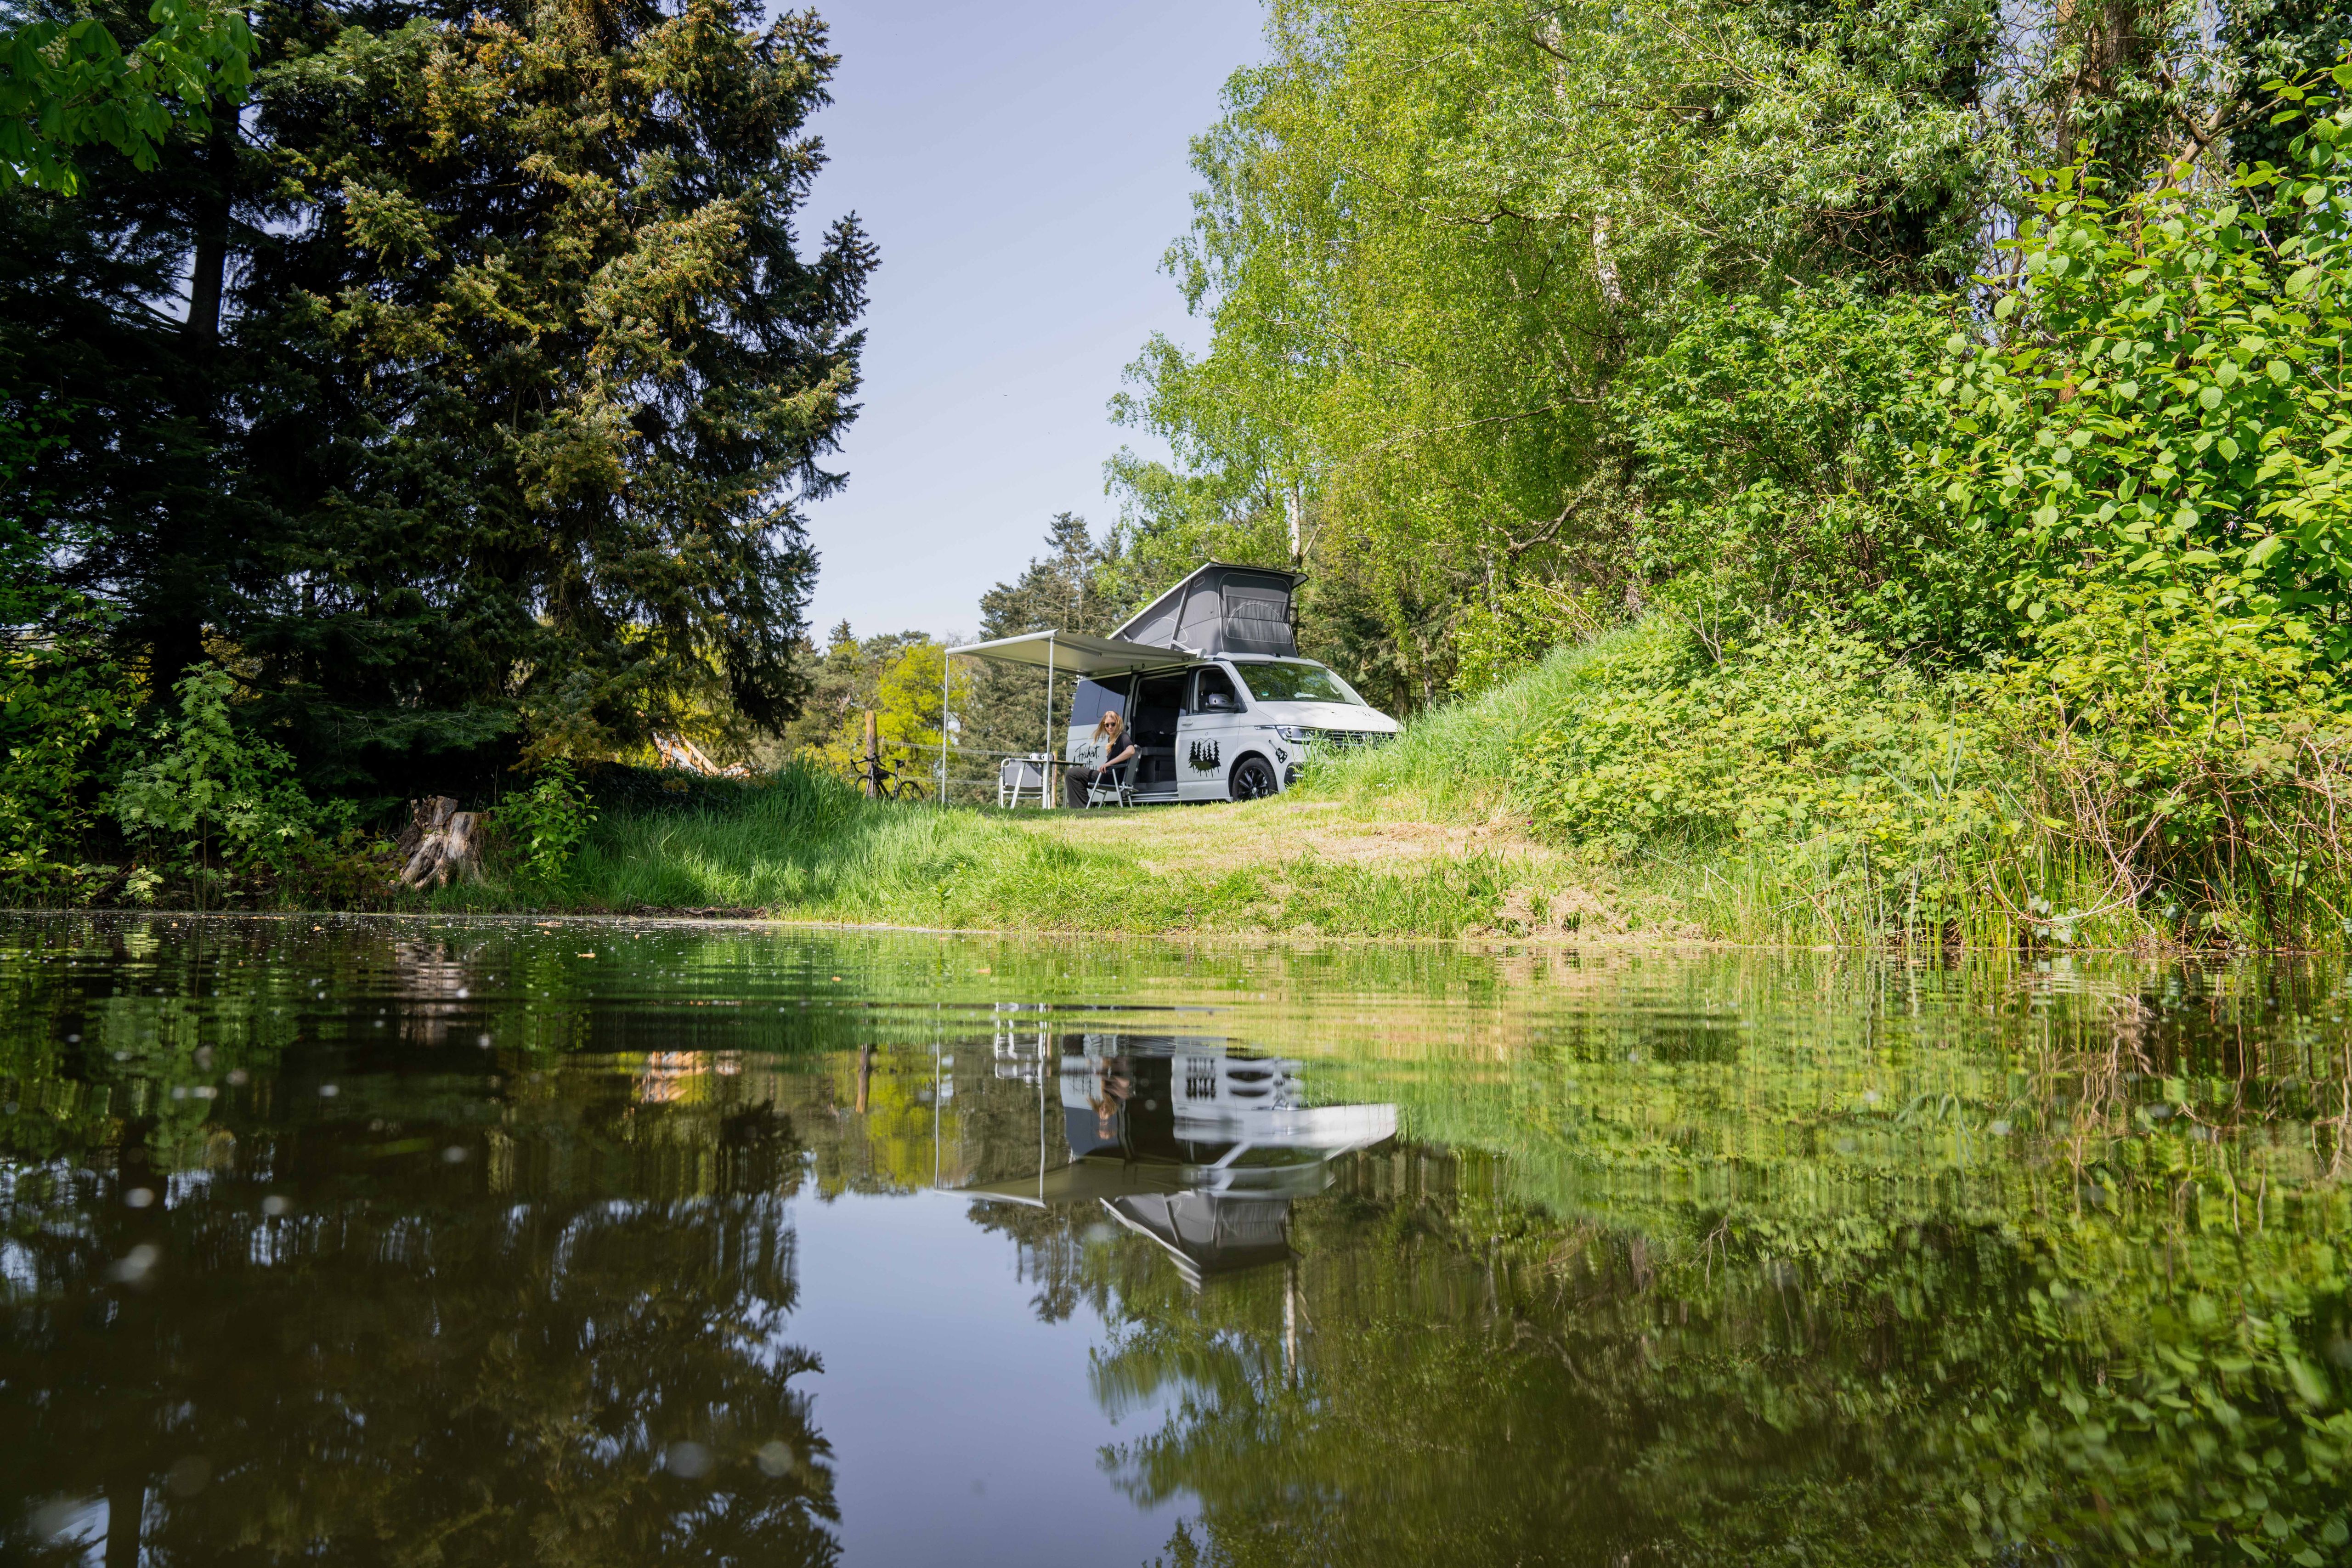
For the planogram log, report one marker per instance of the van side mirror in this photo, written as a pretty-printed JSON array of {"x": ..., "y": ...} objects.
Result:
[{"x": 1217, "y": 702}]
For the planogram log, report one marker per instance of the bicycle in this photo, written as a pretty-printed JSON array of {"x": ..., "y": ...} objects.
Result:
[{"x": 888, "y": 783}]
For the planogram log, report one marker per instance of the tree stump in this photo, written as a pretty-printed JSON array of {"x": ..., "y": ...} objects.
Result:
[{"x": 442, "y": 844}]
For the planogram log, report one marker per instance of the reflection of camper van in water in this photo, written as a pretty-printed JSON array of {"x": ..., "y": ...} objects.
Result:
[
  {"x": 1198, "y": 1147},
  {"x": 1209, "y": 686}
]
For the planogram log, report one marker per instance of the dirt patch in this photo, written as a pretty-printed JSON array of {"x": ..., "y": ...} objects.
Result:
[
  {"x": 1556, "y": 912},
  {"x": 1223, "y": 835},
  {"x": 1550, "y": 895}
]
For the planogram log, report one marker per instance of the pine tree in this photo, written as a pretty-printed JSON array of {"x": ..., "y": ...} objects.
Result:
[
  {"x": 1061, "y": 590},
  {"x": 502, "y": 379}
]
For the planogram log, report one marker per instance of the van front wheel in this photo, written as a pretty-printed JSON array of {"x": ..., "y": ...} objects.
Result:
[{"x": 1252, "y": 779}]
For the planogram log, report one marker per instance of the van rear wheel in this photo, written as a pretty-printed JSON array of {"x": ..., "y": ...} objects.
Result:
[{"x": 1252, "y": 779}]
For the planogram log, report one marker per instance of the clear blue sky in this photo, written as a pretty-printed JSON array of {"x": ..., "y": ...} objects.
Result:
[{"x": 1021, "y": 165}]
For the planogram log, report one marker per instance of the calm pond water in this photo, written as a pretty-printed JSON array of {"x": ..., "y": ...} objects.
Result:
[{"x": 499, "y": 1242}]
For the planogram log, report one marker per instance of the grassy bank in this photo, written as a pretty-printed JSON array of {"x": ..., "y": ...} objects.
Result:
[
  {"x": 806, "y": 846},
  {"x": 1803, "y": 790},
  {"x": 2129, "y": 786}
]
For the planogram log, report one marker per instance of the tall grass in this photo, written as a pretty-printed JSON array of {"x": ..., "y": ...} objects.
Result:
[
  {"x": 1455, "y": 761},
  {"x": 806, "y": 845}
]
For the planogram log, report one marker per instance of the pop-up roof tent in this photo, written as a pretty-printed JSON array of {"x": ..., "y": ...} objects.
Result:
[
  {"x": 1219, "y": 608},
  {"x": 1222, "y": 609}
]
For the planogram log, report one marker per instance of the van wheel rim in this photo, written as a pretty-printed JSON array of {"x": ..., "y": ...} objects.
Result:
[{"x": 1254, "y": 780}]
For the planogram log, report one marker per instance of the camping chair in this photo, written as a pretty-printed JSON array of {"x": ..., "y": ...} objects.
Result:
[
  {"x": 1017, "y": 776},
  {"x": 1115, "y": 786}
]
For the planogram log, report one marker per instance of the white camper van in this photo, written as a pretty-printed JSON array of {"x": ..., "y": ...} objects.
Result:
[{"x": 1208, "y": 679}]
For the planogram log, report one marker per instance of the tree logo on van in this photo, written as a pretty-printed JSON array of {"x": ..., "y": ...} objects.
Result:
[{"x": 1204, "y": 757}]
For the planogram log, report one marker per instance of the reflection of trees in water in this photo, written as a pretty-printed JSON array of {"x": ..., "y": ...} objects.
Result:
[
  {"x": 1048, "y": 1254},
  {"x": 1536, "y": 1394},
  {"x": 412, "y": 1366},
  {"x": 1074, "y": 1257},
  {"x": 1480, "y": 1382},
  {"x": 1758, "y": 1252}
]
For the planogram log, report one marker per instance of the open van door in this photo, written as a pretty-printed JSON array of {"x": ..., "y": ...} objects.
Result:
[{"x": 1153, "y": 723}]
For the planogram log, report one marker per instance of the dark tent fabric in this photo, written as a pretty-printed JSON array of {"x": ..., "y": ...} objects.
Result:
[{"x": 1222, "y": 609}]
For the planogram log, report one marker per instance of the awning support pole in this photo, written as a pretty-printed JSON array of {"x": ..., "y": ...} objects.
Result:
[
  {"x": 947, "y": 667},
  {"x": 1044, "y": 802}
]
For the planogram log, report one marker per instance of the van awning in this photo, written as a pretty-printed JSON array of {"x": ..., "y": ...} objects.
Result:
[{"x": 1076, "y": 652}]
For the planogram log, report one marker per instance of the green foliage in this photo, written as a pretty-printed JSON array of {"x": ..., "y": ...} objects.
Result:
[
  {"x": 2202, "y": 759},
  {"x": 2164, "y": 406},
  {"x": 1070, "y": 587},
  {"x": 1774, "y": 436},
  {"x": 1494, "y": 642},
  {"x": 29, "y": 593},
  {"x": 1455, "y": 759},
  {"x": 61, "y": 693},
  {"x": 595, "y": 356},
  {"x": 1170, "y": 522},
  {"x": 488, "y": 429},
  {"x": 2124, "y": 504},
  {"x": 2150, "y": 766},
  {"x": 842, "y": 682},
  {"x": 897, "y": 678},
  {"x": 548, "y": 821},
  {"x": 60, "y": 699},
  {"x": 907, "y": 719},
  {"x": 66, "y": 83},
  {"x": 1589, "y": 295},
  {"x": 207, "y": 792},
  {"x": 1807, "y": 750},
  {"x": 2273, "y": 41}
]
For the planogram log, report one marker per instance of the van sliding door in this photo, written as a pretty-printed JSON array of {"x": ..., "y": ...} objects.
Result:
[{"x": 1159, "y": 706}]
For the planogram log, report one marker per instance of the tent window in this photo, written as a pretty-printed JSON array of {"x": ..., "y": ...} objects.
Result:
[
  {"x": 1203, "y": 611},
  {"x": 1257, "y": 620}
]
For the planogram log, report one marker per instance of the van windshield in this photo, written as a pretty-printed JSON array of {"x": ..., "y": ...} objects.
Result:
[{"x": 1294, "y": 683}]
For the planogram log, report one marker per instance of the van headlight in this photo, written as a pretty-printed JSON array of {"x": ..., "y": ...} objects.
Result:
[{"x": 1296, "y": 734}]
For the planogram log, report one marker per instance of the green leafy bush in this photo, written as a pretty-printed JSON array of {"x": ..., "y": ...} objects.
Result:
[
  {"x": 2202, "y": 760},
  {"x": 216, "y": 804},
  {"x": 69, "y": 84},
  {"x": 547, "y": 820},
  {"x": 1773, "y": 439},
  {"x": 2151, "y": 759},
  {"x": 1810, "y": 750},
  {"x": 61, "y": 697},
  {"x": 1494, "y": 642},
  {"x": 2167, "y": 404}
]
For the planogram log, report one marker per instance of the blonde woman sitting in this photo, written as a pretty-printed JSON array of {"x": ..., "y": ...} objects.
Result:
[{"x": 1113, "y": 750}]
